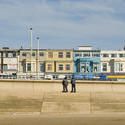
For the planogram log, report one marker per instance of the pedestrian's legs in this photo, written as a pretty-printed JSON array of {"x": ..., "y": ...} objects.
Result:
[
  {"x": 71, "y": 87},
  {"x": 74, "y": 86},
  {"x": 63, "y": 88},
  {"x": 66, "y": 89}
]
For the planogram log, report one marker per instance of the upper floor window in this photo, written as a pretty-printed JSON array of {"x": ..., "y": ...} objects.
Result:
[
  {"x": 50, "y": 54},
  {"x": 78, "y": 55},
  {"x": 68, "y": 55},
  {"x": 23, "y": 54},
  {"x": 14, "y": 54},
  {"x": 95, "y": 54},
  {"x": 6, "y": 54},
  {"x": 60, "y": 54},
  {"x": 113, "y": 55},
  {"x": 121, "y": 55},
  {"x": 41, "y": 54},
  {"x": 33, "y": 54},
  {"x": 105, "y": 55},
  {"x": 86, "y": 54}
]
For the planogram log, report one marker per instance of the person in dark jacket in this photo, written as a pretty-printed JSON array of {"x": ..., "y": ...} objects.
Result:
[
  {"x": 73, "y": 84},
  {"x": 65, "y": 84}
]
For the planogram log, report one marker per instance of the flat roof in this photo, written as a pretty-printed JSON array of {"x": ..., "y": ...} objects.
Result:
[
  {"x": 84, "y": 46},
  {"x": 87, "y": 50}
]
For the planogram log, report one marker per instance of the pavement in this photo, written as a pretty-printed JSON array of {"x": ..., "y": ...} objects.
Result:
[
  {"x": 63, "y": 120},
  {"x": 36, "y": 104}
]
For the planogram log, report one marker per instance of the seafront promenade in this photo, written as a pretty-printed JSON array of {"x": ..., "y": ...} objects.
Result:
[
  {"x": 44, "y": 100},
  {"x": 43, "y": 97}
]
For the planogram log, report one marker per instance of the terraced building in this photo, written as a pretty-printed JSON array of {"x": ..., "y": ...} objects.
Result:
[
  {"x": 59, "y": 62},
  {"x": 86, "y": 60}
]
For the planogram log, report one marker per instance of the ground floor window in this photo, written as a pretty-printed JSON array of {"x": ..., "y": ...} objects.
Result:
[
  {"x": 104, "y": 66},
  {"x": 5, "y": 67},
  {"x": 60, "y": 67},
  {"x": 42, "y": 69},
  {"x": 49, "y": 67},
  {"x": 28, "y": 67},
  {"x": 95, "y": 67},
  {"x": 85, "y": 68},
  {"x": 118, "y": 67},
  {"x": 67, "y": 66}
]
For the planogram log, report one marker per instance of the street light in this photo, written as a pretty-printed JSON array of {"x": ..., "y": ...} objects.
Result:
[
  {"x": 31, "y": 51},
  {"x": 37, "y": 68}
]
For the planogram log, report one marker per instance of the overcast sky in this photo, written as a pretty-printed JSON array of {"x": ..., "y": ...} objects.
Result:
[{"x": 63, "y": 23}]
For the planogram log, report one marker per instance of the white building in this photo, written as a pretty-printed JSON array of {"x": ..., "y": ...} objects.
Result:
[
  {"x": 8, "y": 61},
  {"x": 31, "y": 65},
  {"x": 112, "y": 61}
]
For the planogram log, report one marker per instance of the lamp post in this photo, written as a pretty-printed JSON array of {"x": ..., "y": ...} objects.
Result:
[
  {"x": 31, "y": 52},
  {"x": 37, "y": 67}
]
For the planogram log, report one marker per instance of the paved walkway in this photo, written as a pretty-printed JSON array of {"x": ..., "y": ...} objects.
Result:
[
  {"x": 63, "y": 120},
  {"x": 36, "y": 98}
]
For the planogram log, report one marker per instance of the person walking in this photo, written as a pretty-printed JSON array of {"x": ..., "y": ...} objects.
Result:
[
  {"x": 73, "y": 84},
  {"x": 65, "y": 84}
]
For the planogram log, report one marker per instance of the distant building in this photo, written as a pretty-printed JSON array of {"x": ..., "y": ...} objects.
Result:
[
  {"x": 59, "y": 62},
  {"x": 8, "y": 61},
  {"x": 86, "y": 60},
  {"x": 31, "y": 64},
  {"x": 112, "y": 61}
]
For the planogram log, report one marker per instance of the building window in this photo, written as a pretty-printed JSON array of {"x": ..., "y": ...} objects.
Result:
[
  {"x": 113, "y": 55},
  {"x": 78, "y": 55},
  {"x": 14, "y": 54},
  {"x": 28, "y": 67},
  {"x": 5, "y": 67},
  {"x": 10, "y": 54},
  {"x": 50, "y": 54},
  {"x": 95, "y": 67},
  {"x": 86, "y": 54},
  {"x": 68, "y": 67},
  {"x": 121, "y": 67},
  {"x": 104, "y": 67},
  {"x": 118, "y": 67},
  {"x": 42, "y": 69},
  {"x": 95, "y": 54},
  {"x": 23, "y": 54},
  {"x": 33, "y": 54},
  {"x": 68, "y": 55},
  {"x": 121, "y": 55},
  {"x": 60, "y": 54},
  {"x": 105, "y": 55},
  {"x": 60, "y": 67},
  {"x": 6, "y": 54},
  {"x": 49, "y": 67},
  {"x": 41, "y": 54}
]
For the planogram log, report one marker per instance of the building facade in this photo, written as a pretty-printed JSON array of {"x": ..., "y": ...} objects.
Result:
[
  {"x": 112, "y": 61},
  {"x": 26, "y": 63},
  {"x": 86, "y": 60},
  {"x": 31, "y": 63},
  {"x": 59, "y": 62},
  {"x": 8, "y": 62}
]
